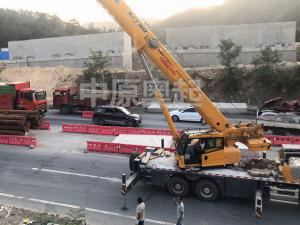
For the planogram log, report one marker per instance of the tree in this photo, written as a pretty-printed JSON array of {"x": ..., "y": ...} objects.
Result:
[
  {"x": 229, "y": 52},
  {"x": 97, "y": 68},
  {"x": 268, "y": 76},
  {"x": 267, "y": 60},
  {"x": 24, "y": 25}
]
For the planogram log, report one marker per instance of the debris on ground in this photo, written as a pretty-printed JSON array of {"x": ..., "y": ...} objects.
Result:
[{"x": 16, "y": 216}]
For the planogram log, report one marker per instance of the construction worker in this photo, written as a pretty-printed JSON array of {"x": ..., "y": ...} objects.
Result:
[
  {"x": 140, "y": 211},
  {"x": 180, "y": 210}
]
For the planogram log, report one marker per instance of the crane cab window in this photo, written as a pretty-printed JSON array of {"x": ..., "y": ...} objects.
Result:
[
  {"x": 214, "y": 144},
  {"x": 196, "y": 147}
]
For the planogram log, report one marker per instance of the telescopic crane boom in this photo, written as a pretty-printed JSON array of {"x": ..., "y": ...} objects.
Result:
[{"x": 147, "y": 43}]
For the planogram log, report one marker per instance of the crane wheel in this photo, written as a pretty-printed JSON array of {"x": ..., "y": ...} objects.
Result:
[
  {"x": 178, "y": 187},
  {"x": 207, "y": 190}
]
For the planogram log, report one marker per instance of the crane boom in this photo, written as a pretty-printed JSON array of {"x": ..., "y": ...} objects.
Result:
[{"x": 147, "y": 42}]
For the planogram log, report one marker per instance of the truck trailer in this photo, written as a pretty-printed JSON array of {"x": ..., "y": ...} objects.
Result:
[
  {"x": 275, "y": 180},
  {"x": 67, "y": 99}
]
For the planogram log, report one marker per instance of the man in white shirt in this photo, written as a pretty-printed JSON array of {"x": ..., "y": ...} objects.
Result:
[
  {"x": 140, "y": 212},
  {"x": 180, "y": 210}
]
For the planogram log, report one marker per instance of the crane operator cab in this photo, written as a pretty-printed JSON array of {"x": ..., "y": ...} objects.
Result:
[{"x": 205, "y": 149}]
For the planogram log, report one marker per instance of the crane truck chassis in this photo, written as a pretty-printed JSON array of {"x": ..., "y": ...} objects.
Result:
[
  {"x": 218, "y": 170},
  {"x": 238, "y": 181}
]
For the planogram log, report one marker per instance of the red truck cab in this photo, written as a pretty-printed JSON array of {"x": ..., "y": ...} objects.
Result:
[{"x": 20, "y": 96}]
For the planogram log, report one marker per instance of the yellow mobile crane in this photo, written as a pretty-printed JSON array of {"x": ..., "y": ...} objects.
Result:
[
  {"x": 224, "y": 135},
  {"x": 178, "y": 172}
]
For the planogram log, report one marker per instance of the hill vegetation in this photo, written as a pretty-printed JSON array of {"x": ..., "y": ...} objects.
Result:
[{"x": 23, "y": 25}]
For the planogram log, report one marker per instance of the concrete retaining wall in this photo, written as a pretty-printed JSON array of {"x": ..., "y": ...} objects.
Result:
[
  {"x": 200, "y": 58},
  {"x": 123, "y": 61},
  {"x": 72, "y": 51},
  {"x": 247, "y": 35},
  {"x": 198, "y": 46}
]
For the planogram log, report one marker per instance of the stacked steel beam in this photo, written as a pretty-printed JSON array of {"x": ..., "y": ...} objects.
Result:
[{"x": 18, "y": 122}]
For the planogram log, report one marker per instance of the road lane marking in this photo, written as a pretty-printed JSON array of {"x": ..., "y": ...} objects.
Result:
[
  {"x": 112, "y": 179},
  {"x": 126, "y": 216},
  {"x": 11, "y": 196},
  {"x": 103, "y": 212},
  {"x": 54, "y": 203}
]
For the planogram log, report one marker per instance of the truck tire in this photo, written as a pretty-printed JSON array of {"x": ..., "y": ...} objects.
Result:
[
  {"x": 207, "y": 190},
  {"x": 131, "y": 160},
  {"x": 65, "y": 109},
  {"x": 178, "y": 187}
]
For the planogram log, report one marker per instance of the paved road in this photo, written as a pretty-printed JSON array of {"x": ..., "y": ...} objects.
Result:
[
  {"x": 58, "y": 176},
  {"x": 150, "y": 120},
  {"x": 57, "y": 182}
]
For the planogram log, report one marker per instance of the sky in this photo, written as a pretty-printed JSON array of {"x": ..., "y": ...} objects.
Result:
[{"x": 90, "y": 11}]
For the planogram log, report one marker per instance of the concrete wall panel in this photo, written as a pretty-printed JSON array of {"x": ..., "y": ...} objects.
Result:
[
  {"x": 72, "y": 50},
  {"x": 247, "y": 35}
]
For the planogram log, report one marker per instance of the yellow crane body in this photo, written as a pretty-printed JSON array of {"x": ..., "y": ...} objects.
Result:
[{"x": 146, "y": 42}]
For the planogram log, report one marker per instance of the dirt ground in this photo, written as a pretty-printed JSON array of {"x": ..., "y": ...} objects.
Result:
[
  {"x": 16, "y": 216},
  {"x": 50, "y": 78},
  {"x": 47, "y": 78}
]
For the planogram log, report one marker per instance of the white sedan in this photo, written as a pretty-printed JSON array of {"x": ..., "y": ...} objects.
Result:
[{"x": 187, "y": 114}]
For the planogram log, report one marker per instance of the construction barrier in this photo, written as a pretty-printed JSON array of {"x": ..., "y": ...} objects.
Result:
[
  {"x": 93, "y": 129},
  {"x": 88, "y": 114},
  {"x": 280, "y": 140},
  {"x": 75, "y": 128},
  {"x": 4, "y": 139},
  {"x": 93, "y": 146},
  {"x": 115, "y": 131},
  {"x": 296, "y": 140},
  {"x": 107, "y": 131},
  {"x": 271, "y": 138},
  {"x": 112, "y": 130},
  {"x": 45, "y": 125},
  {"x": 18, "y": 140},
  {"x": 120, "y": 130}
]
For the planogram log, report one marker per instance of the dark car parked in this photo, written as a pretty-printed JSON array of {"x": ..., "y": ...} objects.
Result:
[{"x": 114, "y": 115}]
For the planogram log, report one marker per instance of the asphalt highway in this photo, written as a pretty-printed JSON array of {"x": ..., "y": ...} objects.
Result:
[
  {"x": 150, "y": 120},
  {"x": 57, "y": 179}
]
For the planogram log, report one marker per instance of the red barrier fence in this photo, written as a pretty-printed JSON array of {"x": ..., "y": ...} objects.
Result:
[
  {"x": 18, "y": 140},
  {"x": 112, "y": 130},
  {"x": 296, "y": 140},
  {"x": 280, "y": 140},
  {"x": 45, "y": 125},
  {"x": 87, "y": 114},
  {"x": 115, "y": 131},
  {"x": 93, "y": 146}
]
